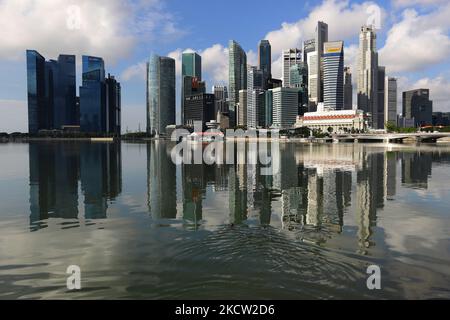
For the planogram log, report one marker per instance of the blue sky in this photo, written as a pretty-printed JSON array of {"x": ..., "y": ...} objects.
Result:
[{"x": 413, "y": 40}]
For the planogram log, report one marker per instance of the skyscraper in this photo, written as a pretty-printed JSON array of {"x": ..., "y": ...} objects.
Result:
[
  {"x": 255, "y": 80},
  {"x": 199, "y": 107},
  {"x": 390, "y": 101},
  {"x": 418, "y": 106},
  {"x": 160, "y": 94},
  {"x": 237, "y": 77},
  {"x": 190, "y": 86},
  {"x": 308, "y": 46},
  {"x": 378, "y": 120},
  {"x": 299, "y": 79},
  {"x": 313, "y": 76},
  {"x": 333, "y": 66},
  {"x": 51, "y": 92},
  {"x": 289, "y": 58},
  {"x": 220, "y": 98},
  {"x": 321, "y": 38},
  {"x": 285, "y": 107},
  {"x": 368, "y": 72},
  {"x": 268, "y": 106},
  {"x": 191, "y": 66},
  {"x": 93, "y": 109},
  {"x": 348, "y": 89},
  {"x": 114, "y": 103},
  {"x": 241, "y": 113},
  {"x": 100, "y": 99},
  {"x": 64, "y": 91},
  {"x": 38, "y": 113},
  {"x": 265, "y": 57}
]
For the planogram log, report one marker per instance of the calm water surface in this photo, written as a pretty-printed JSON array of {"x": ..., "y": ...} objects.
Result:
[{"x": 142, "y": 227}]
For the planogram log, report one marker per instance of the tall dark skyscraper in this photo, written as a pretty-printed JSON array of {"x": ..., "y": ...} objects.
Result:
[
  {"x": 199, "y": 107},
  {"x": 191, "y": 71},
  {"x": 418, "y": 106},
  {"x": 348, "y": 89},
  {"x": 64, "y": 91},
  {"x": 100, "y": 99},
  {"x": 190, "y": 86},
  {"x": 51, "y": 92},
  {"x": 381, "y": 81},
  {"x": 237, "y": 77},
  {"x": 93, "y": 111},
  {"x": 114, "y": 102},
  {"x": 265, "y": 57},
  {"x": 38, "y": 113},
  {"x": 160, "y": 94}
]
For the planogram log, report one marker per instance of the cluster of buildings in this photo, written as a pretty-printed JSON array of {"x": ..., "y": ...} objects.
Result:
[
  {"x": 315, "y": 91},
  {"x": 53, "y": 104}
]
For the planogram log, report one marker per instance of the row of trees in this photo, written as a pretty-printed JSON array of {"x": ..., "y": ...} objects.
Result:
[{"x": 392, "y": 127}]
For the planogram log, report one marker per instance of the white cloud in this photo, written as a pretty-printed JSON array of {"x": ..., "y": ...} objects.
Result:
[
  {"x": 417, "y": 42},
  {"x": 215, "y": 63},
  {"x": 411, "y": 3},
  {"x": 107, "y": 28},
  {"x": 344, "y": 22},
  {"x": 135, "y": 71},
  {"x": 439, "y": 91}
]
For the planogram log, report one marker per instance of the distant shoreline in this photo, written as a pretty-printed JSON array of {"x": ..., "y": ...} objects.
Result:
[{"x": 111, "y": 140}]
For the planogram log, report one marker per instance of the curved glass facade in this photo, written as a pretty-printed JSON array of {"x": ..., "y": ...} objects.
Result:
[{"x": 160, "y": 94}]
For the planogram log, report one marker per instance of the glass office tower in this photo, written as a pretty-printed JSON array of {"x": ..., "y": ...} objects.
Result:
[
  {"x": 37, "y": 112},
  {"x": 114, "y": 93},
  {"x": 51, "y": 92},
  {"x": 191, "y": 71},
  {"x": 333, "y": 65},
  {"x": 64, "y": 91},
  {"x": 237, "y": 77},
  {"x": 265, "y": 57},
  {"x": 192, "y": 65},
  {"x": 93, "y": 113},
  {"x": 160, "y": 94}
]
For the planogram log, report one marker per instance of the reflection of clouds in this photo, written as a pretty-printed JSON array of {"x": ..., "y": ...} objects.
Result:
[
  {"x": 438, "y": 186},
  {"x": 427, "y": 232}
]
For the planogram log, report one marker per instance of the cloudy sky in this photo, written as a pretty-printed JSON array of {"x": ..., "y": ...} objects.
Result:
[{"x": 413, "y": 40}]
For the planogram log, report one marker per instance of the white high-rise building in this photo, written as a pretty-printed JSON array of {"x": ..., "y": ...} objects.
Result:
[
  {"x": 313, "y": 76},
  {"x": 255, "y": 79},
  {"x": 285, "y": 107},
  {"x": 390, "y": 101},
  {"x": 368, "y": 72},
  {"x": 290, "y": 57}
]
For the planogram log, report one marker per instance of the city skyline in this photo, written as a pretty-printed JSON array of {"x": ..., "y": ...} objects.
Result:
[{"x": 300, "y": 27}]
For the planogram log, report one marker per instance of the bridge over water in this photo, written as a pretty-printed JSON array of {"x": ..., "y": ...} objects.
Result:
[{"x": 391, "y": 137}]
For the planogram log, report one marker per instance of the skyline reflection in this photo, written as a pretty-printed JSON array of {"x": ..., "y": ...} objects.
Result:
[{"x": 316, "y": 188}]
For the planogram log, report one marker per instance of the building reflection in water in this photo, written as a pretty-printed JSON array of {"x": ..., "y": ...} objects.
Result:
[
  {"x": 161, "y": 181},
  {"x": 55, "y": 172},
  {"x": 315, "y": 187},
  {"x": 318, "y": 190}
]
